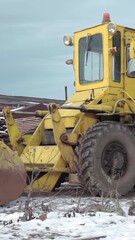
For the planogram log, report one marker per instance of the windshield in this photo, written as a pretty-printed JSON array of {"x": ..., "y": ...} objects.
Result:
[{"x": 91, "y": 59}]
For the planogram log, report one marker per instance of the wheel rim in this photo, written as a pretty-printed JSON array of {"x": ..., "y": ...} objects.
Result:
[{"x": 114, "y": 160}]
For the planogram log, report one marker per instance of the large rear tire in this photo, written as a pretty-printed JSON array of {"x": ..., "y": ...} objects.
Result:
[{"x": 106, "y": 159}]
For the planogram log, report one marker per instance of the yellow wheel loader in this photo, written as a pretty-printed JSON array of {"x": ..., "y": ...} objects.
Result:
[{"x": 92, "y": 135}]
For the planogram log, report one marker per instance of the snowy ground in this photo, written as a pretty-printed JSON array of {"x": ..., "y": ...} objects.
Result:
[{"x": 68, "y": 217}]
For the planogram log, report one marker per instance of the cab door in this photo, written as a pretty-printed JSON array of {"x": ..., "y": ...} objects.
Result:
[{"x": 129, "y": 85}]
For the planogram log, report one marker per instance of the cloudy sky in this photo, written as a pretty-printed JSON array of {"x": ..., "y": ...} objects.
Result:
[{"x": 32, "y": 53}]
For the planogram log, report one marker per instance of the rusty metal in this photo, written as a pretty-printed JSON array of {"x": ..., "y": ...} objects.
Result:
[
  {"x": 12, "y": 183},
  {"x": 73, "y": 178},
  {"x": 12, "y": 175}
]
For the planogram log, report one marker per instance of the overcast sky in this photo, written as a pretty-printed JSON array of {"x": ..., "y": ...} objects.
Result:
[{"x": 32, "y": 53}]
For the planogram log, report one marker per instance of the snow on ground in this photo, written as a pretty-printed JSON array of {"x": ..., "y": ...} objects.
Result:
[{"x": 67, "y": 217}]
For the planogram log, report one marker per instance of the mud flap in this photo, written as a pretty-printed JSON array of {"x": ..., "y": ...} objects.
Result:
[{"x": 12, "y": 175}]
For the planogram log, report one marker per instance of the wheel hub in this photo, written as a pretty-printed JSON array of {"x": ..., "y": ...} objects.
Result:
[
  {"x": 117, "y": 160},
  {"x": 114, "y": 160}
]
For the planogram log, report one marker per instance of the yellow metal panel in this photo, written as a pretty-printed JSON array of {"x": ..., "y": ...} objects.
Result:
[
  {"x": 84, "y": 122},
  {"x": 43, "y": 159},
  {"x": 13, "y": 131},
  {"x": 58, "y": 129},
  {"x": 42, "y": 155},
  {"x": 68, "y": 120},
  {"x": 9, "y": 159},
  {"x": 132, "y": 49},
  {"x": 80, "y": 97},
  {"x": 45, "y": 183}
]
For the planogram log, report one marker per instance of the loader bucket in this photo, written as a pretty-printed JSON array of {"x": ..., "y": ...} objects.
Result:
[{"x": 12, "y": 175}]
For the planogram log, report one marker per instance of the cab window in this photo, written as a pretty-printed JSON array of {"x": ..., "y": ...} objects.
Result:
[
  {"x": 91, "y": 59},
  {"x": 116, "y": 58}
]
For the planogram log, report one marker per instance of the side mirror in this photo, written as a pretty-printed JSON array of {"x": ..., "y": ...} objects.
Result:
[{"x": 132, "y": 50}]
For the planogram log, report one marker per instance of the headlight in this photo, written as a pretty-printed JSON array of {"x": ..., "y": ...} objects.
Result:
[
  {"x": 112, "y": 28},
  {"x": 67, "y": 40}
]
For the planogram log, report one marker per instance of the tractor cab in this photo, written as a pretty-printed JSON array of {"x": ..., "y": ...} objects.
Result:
[{"x": 102, "y": 59}]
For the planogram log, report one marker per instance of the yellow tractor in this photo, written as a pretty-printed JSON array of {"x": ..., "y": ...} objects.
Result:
[{"x": 92, "y": 135}]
